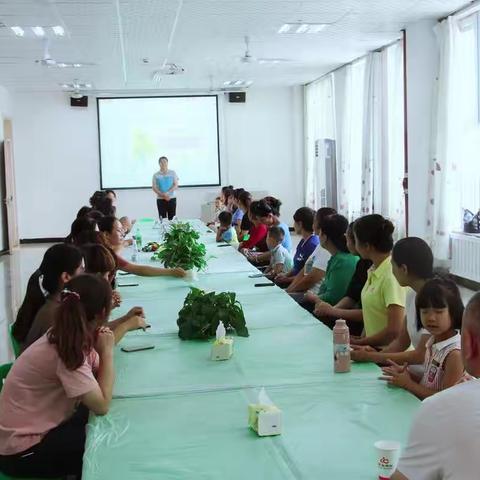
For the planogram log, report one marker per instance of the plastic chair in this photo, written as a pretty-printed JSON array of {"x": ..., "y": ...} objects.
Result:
[
  {"x": 4, "y": 369},
  {"x": 15, "y": 345}
]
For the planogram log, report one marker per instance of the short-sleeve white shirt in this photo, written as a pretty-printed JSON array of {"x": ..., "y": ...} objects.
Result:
[{"x": 444, "y": 442}]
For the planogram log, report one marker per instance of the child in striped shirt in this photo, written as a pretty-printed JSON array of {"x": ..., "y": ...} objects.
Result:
[{"x": 439, "y": 310}]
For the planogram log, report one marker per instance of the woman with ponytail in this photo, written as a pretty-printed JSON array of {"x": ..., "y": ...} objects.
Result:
[
  {"x": 60, "y": 263},
  {"x": 59, "y": 379},
  {"x": 383, "y": 299}
]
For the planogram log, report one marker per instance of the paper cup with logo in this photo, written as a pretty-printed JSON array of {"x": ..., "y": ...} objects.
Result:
[{"x": 388, "y": 454}]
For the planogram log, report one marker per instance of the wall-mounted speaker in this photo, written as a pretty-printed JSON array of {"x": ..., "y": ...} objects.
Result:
[
  {"x": 237, "y": 97},
  {"x": 79, "y": 102}
]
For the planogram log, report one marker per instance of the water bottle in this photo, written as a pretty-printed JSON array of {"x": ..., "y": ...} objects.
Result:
[
  {"x": 138, "y": 240},
  {"x": 341, "y": 347},
  {"x": 135, "y": 251}
]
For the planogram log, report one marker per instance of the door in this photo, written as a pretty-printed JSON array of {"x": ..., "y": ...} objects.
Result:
[{"x": 10, "y": 194}]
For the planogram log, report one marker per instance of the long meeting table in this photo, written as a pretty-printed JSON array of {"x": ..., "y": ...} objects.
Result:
[{"x": 178, "y": 415}]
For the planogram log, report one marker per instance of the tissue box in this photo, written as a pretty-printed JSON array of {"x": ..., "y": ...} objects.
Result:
[
  {"x": 222, "y": 349},
  {"x": 265, "y": 419}
]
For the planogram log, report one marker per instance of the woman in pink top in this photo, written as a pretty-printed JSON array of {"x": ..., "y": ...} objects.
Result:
[{"x": 46, "y": 397}]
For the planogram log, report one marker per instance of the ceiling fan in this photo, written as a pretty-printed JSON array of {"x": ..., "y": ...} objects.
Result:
[
  {"x": 48, "y": 61},
  {"x": 248, "y": 58}
]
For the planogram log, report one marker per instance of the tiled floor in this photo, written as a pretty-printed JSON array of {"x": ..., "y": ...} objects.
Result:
[{"x": 15, "y": 270}]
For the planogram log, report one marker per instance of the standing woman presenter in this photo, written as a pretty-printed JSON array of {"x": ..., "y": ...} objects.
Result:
[{"x": 165, "y": 184}]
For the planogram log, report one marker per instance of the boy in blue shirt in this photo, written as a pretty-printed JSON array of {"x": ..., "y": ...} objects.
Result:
[{"x": 226, "y": 233}]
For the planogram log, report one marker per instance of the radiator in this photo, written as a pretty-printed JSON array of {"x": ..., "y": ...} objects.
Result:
[{"x": 465, "y": 252}]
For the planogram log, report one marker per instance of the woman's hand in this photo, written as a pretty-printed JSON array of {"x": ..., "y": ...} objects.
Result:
[
  {"x": 323, "y": 309},
  {"x": 136, "y": 322},
  {"x": 135, "y": 312},
  {"x": 361, "y": 353},
  {"x": 177, "y": 272},
  {"x": 116, "y": 299},
  {"x": 311, "y": 297},
  {"x": 356, "y": 340},
  {"x": 105, "y": 341}
]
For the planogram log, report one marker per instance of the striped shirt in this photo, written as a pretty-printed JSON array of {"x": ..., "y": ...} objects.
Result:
[{"x": 435, "y": 356}]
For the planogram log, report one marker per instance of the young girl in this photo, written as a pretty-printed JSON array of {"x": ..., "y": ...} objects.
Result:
[
  {"x": 439, "y": 311},
  {"x": 412, "y": 266},
  {"x": 383, "y": 299},
  {"x": 303, "y": 225},
  {"x": 314, "y": 269},
  {"x": 67, "y": 373},
  {"x": 60, "y": 264},
  {"x": 112, "y": 237},
  {"x": 341, "y": 265}
]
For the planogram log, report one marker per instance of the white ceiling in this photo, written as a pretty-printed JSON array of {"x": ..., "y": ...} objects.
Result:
[{"x": 206, "y": 38}]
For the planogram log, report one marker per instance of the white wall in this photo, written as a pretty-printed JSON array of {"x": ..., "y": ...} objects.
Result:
[
  {"x": 5, "y": 112},
  {"x": 57, "y": 169},
  {"x": 422, "y": 71}
]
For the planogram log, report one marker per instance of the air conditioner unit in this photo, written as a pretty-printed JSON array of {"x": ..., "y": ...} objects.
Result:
[{"x": 326, "y": 164}]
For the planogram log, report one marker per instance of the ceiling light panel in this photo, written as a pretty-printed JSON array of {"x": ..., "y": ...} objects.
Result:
[
  {"x": 18, "y": 31},
  {"x": 38, "y": 31},
  {"x": 301, "y": 28}
]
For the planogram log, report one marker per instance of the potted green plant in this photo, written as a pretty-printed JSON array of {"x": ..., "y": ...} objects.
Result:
[
  {"x": 202, "y": 312},
  {"x": 181, "y": 248}
]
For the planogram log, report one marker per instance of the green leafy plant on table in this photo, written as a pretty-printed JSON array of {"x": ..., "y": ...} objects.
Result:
[
  {"x": 202, "y": 312},
  {"x": 181, "y": 248}
]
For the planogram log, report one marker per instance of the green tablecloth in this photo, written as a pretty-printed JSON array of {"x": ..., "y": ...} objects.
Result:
[{"x": 178, "y": 415}]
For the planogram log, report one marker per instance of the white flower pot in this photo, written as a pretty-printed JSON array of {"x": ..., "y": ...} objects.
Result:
[{"x": 191, "y": 276}]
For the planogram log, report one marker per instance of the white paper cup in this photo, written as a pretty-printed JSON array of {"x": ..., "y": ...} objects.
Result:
[{"x": 388, "y": 454}]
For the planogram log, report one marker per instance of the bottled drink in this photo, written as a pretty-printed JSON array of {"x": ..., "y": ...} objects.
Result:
[
  {"x": 138, "y": 239},
  {"x": 134, "y": 253},
  {"x": 341, "y": 347}
]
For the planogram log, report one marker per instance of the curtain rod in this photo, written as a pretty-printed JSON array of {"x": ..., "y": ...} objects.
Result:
[
  {"x": 460, "y": 10},
  {"x": 379, "y": 49}
]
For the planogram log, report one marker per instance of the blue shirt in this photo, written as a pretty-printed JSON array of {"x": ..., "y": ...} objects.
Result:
[
  {"x": 287, "y": 241},
  {"x": 304, "y": 249},
  {"x": 237, "y": 216},
  {"x": 165, "y": 181}
]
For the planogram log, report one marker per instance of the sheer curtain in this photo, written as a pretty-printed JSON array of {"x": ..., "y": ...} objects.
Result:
[
  {"x": 349, "y": 160},
  {"x": 383, "y": 146},
  {"x": 371, "y": 161},
  {"x": 455, "y": 169},
  {"x": 319, "y": 124}
]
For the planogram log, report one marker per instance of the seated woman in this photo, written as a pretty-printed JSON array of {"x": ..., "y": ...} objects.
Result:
[
  {"x": 412, "y": 266},
  {"x": 257, "y": 240},
  {"x": 314, "y": 269},
  {"x": 100, "y": 261},
  {"x": 267, "y": 212},
  {"x": 349, "y": 307},
  {"x": 60, "y": 379},
  {"x": 383, "y": 299},
  {"x": 60, "y": 264},
  {"x": 440, "y": 310},
  {"x": 238, "y": 213},
  {"x": 244, "y": 202},
  {"x": 303, "y": 225},
  {"x": 341, "y": 266},
  {"x": 112, "y": 237},
  {"x": 83, "y": 230},
  {"x": 103, "y": 202}
]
